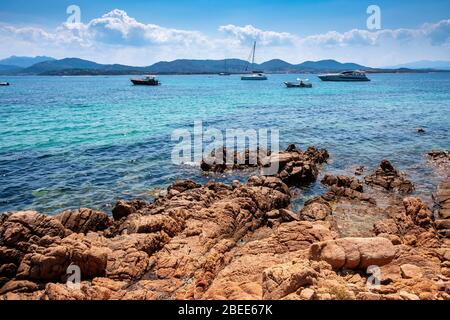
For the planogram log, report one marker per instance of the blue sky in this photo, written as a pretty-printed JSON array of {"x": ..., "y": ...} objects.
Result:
[{"x": 142, "y": 32}]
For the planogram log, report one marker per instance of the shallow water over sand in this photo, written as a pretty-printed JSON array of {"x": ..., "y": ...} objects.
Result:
[{"x": 88, "y": 141}]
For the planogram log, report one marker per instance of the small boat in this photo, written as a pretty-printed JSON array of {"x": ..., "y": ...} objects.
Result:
[
  {"x": 146, "y": 81},
  {"x": 254, "y": 75},
  {"x": 299, "y": 84},
  {"x": 349, "y": 76},
  {"x": 4, "y": 84},
  {"x": 225, "y": 73}
]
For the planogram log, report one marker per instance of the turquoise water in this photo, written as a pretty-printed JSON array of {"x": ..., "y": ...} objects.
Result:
[{"x": 67, "y": 142}]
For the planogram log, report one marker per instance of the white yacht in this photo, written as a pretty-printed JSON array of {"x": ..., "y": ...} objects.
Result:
[
  {"x": 254, "y": 75},
  {"x": 356, "y": 75}
]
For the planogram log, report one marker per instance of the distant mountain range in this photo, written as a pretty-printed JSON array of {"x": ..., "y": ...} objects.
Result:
[
  {"x": 425, "y": 64},
  {"x": 23, "y": 62},
  {"x": 75, "y": 66}
]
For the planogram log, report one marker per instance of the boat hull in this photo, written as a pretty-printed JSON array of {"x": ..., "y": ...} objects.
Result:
[
  {"x": 343, "y": 79},
  {"x": 297, "y": 85},
  {"x": 138, "y": 82},
  {"x": 253, "y": 78}
]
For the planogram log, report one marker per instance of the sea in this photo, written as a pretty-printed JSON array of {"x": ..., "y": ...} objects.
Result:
[{"x": 71, "y": 142}]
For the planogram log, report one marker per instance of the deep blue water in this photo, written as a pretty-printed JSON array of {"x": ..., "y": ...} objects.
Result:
[{"x": 67, "y": 142}]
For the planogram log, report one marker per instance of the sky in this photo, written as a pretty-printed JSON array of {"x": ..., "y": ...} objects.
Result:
[{"x": 144, "y": 32}]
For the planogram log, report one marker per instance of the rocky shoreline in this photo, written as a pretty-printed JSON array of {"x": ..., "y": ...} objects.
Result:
[{"x": 242, "y": 241}]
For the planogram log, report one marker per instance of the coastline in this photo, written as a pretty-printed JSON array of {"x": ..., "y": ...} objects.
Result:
[
  {"x": 242, "y": 241},
  {"x": 79, "y": 73}
]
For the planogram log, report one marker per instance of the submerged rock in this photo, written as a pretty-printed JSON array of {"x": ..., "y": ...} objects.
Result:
[
  {"x": 343, "y": 182},
  {"x": 421, "y": 130}
]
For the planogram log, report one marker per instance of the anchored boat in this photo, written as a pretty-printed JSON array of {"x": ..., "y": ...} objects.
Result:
[
  {"x": 349, "y": 76},
  {"x": 146, "y": 81},
  {"x": 225, "y": 73},
  {"x": 301, "y": 83},
  {"x": 254, "y": 75}
]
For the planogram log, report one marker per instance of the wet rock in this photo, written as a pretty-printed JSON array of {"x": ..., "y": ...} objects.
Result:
[
  {"x": 420, "y": 130},
  {"x": 439, "y": 155},
  {"x": 359, "y": 171},
  {"x": 84, "y": 220},
  {"x": 291, "y": 147},
  {"x": 298, "y": 168},
  {"x": 336, "y": 193},
  {"x": 183, "y": 185},
  {"x": 295, "y": 167},
  {"x": 222, "y": 160},
  {"x": 124, "y": 209},
  {"x": 343, "y": 182},
  {"x": 387, "y": 177}
]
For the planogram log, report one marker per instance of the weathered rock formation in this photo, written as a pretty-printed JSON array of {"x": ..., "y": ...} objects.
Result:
[
  {"x": 387, "y": 177},
  {"x": 353, "y": 253},
  {"x": 239, "y": 241},
  {"x": 294, "y": 167}
]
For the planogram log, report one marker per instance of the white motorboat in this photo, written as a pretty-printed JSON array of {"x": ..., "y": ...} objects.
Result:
[
  {"x": 301, "y": 83},
  {"x": 253, "y": 75},
  {"x": 356, "y": 75}
]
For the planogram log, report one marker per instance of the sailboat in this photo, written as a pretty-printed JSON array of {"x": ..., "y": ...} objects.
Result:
[
  {"x": 254, "y": 75},
  {"x": 225, "y": 73}
]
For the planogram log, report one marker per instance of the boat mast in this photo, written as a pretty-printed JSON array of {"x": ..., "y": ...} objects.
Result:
[{"x": 253, "y": 57}]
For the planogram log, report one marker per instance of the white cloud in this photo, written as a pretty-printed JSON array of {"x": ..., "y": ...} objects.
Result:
[
  {"x": 249, "y": 34},
  {"x": 437, "y": 34},
  {"x": 116, "y": 27},
  {"x": 116, "y": 37}
]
